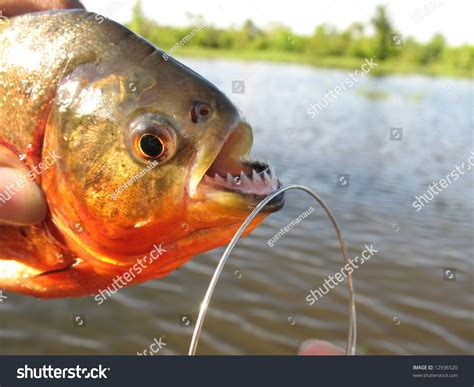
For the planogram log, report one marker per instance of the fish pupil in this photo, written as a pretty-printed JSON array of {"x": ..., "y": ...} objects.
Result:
[{"x": 151, "y": 145}]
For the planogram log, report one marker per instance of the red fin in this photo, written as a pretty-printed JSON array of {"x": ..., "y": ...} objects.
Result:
[{"x": 11, "y": 8}]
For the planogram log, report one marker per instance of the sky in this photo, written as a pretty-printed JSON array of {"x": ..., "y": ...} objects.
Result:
[{"x": 418, "y": 18}]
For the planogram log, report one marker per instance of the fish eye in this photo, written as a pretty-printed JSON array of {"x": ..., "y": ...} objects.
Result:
[
  {"x": 151, "y": 145},
  {"x": 199, "y": 111},
  {"x": 152, "y": 138}
]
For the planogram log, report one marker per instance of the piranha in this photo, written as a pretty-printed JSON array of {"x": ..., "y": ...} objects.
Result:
[{"x": 135, "y": 153}]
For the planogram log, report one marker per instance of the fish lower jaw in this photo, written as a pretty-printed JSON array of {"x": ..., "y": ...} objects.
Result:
[{"x": 261, "y": 181}]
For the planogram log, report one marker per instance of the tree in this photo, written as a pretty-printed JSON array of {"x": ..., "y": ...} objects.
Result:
[
  {"x": 433, "y": 49},
  {"x": 138, "y": 18},
  {"x": 319, "y": 42},
  {"x": 383, "y": 29},
  {"x": 356, "y": 29},
  {"x": 250, "y": 30}
]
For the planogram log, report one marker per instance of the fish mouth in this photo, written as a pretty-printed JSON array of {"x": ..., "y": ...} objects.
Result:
[{"x": 230, "y": 176}]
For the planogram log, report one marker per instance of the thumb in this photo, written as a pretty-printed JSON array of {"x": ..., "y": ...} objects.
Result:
[{"x": 21, "y": 200}]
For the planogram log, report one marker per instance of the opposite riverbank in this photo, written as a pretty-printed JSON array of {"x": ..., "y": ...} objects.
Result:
[{"x": 334, "y": 62}]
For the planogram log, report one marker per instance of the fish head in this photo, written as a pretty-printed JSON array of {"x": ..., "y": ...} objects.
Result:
[{"x": 149, "y": 152}]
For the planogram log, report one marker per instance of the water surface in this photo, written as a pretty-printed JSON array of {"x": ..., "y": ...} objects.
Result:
[{"x": 404, "y": 304}]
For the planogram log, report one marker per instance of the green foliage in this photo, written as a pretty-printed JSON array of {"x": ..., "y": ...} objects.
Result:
[
  {"x": 432, "y": 51},
  {"x": 383, "y": 31},
  {"x": 326, "y": 46}
]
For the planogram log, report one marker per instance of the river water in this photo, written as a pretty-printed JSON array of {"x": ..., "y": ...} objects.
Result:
[{"x": 414, "y": 296}]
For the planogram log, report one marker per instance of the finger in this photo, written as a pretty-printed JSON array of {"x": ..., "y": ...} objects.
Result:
[
  {"x": 20, "y": 7},
  {"x": 21, "y": 200},
  {"x": 319, "y": 348}
]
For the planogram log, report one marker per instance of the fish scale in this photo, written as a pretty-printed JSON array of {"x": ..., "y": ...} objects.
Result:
[{"x": 87, "y": 90}]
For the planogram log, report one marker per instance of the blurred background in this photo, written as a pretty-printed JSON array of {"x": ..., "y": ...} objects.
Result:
[{"x": 368, "y": 152}]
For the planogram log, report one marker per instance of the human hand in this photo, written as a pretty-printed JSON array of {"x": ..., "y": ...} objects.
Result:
[
  {"x": 21, "y": 200},
  {"x": 319, "y": 348},
  {"x": 20, "y": 7}
]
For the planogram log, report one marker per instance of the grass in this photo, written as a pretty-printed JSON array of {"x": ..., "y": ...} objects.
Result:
[{"x": 340, "y": 62}]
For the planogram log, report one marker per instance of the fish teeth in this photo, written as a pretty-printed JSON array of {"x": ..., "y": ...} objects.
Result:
[
  {"x": 266, "y": 177},
  {"x": 260, "y": 183},
  {"x": 219, "y": 179},
  {"x": 246, "y": 182},
  {"x": 255, "y": 177},
  {"x": 238, "y": 179},
  {"x": 271, "y": 172}
]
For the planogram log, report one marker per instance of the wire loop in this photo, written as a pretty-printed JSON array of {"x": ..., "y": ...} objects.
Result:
[{"x": 352, "y": 331}]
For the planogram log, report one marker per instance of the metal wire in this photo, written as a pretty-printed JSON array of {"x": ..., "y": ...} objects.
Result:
[{"x": 352, "y": 331}]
